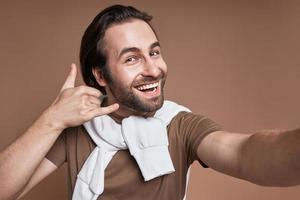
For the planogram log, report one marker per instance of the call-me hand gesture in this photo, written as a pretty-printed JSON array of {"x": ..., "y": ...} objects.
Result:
[
  {"x": 72, "y": 107},
  {"x": 76, "y": 105}
]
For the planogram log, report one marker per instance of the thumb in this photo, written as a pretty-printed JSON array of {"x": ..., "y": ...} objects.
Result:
[{"x": 70, "y": 81}]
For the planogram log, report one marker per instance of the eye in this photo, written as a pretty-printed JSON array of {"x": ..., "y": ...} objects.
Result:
[
  {"x": 131, "y": 59},
  {"x": 155, "y": 53}
]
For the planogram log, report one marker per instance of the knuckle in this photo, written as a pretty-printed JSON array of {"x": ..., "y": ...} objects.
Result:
[
  {"x": 82, "y": 112},
  {"x": 98, "y": 93},
  {"x": 95, "y": 100},
  {"x": 82, "y": 105},
  {"x": 93, "y": 91},
  {"x": 84, "y": 97},
  {"x": 81, "y": 89},
  {"x": 66, "y": 92}
]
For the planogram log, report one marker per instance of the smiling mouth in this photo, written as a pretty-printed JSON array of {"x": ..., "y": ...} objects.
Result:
[{"x": 148, "y": 88}]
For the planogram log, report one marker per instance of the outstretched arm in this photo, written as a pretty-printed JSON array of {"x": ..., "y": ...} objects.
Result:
[
  {"x": 20, "y": 160},
  {"x": 269, "y": 158},
  {"x": 43, "y": 170}
]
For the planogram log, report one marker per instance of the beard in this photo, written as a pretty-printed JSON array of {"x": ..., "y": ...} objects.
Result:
[{"x": 127, "y": 96}]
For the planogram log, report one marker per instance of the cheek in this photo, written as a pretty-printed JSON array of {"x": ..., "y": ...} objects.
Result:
[
  {"x": 162, "y": 65},
  {"x": 128, "y": 74}
]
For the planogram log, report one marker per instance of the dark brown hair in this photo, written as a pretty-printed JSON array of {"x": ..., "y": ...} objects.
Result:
[{"x": 92, "y": 53}]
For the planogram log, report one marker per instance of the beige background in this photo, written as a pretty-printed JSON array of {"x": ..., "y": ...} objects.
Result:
[{"x": 234, "y": 61}]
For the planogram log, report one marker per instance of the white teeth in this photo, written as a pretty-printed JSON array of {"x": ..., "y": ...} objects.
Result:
[{"x": 147, "y": 86}]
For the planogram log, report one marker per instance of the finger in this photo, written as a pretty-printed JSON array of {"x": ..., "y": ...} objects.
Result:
[
  {"x": 86, "y": 90},
  {"x": 94, "y": 100},
  {"x": 103, "y": 110},
  {"x": 92, "y": 107},
  {"x": 70, "y": 81}
]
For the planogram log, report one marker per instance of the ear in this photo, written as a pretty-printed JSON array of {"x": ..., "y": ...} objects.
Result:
[{"x": 98, "y": 74}]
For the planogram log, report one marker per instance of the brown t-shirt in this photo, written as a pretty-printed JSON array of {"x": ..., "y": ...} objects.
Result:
[{"x": 123, "y": 179}]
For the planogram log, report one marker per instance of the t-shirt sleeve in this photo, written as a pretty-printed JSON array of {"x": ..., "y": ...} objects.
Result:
[
  {"x": 193, "y": 128},
  {"x": 57, "y": 153}
]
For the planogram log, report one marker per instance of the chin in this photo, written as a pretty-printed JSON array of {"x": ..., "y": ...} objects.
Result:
[{"x": 152, "y": 106}]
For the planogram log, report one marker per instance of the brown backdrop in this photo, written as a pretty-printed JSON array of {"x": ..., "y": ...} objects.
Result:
[{"x": 234, "y": 61}]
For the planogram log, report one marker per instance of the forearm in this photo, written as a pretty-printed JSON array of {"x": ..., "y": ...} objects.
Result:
[
  {"x": 19, "y": 160},
  {"x": 72, "y": 107},
  {"x": 271, "y": 158}
]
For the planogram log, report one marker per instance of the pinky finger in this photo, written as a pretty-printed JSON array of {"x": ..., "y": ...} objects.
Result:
[{"x": 103, "y": 110}]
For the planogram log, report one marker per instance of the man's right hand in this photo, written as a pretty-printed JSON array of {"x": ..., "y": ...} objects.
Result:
[
  {"x": 75, "y": 105},
  {"x": 23, "y": 163}
]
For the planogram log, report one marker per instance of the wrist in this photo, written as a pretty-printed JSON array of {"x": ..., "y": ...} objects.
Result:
[{"x": 49, "y": 121}]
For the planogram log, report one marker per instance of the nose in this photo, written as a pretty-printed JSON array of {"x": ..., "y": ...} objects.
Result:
[{"x": 150, "y": 68}]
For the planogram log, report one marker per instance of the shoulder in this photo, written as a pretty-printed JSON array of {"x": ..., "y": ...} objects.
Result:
[
  {"x": 186, "y": 125},
  {"x": 187, "y": 130},
  {"x": 189, "y": 120}
]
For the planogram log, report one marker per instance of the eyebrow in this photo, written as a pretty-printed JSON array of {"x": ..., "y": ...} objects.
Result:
[
  {"x": 155, "y": 44},
  {"x": 135, "y": 49}
]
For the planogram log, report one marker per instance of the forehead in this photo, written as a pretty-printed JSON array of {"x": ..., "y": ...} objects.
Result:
[{"x": 134, "y": 33}]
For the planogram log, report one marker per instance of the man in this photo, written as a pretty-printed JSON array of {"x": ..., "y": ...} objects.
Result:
[{"x": 121, "y": 57}]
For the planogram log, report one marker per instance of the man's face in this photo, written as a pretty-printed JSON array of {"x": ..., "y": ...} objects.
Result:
[{"x": 137, "y": 69}]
